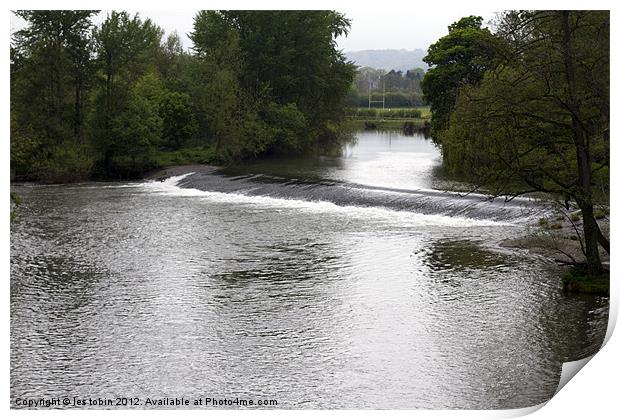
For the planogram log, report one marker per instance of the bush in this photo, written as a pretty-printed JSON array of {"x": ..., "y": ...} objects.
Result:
[
  {"x": 187, "y": 156},
  {"x": 69, "y": 162},
  {"x": 577, "y": 279},
  {"x": 366, "y": 112},
  {"x": 600, "y": 213}
]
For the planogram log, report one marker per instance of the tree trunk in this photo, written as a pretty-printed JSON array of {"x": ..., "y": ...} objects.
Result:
[
  {"x": 584, "y": 194},
  {"x": 591, "y": 236},
  {"x": 602, "y": 240}
]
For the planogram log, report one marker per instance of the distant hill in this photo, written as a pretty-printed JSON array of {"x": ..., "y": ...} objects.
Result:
[{"x": 389, "y": 59}]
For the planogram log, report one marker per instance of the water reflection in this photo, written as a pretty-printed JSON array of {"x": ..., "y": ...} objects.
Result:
[
  {"x": 383, "y": 159},
  {"x": 458, "y": 255},
  {"x": 136, "y": 290}
]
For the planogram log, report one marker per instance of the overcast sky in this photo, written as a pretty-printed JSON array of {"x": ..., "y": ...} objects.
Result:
[{"x": 407, "y": 28}]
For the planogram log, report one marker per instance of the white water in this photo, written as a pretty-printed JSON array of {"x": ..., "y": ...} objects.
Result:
[{"x": 403, "y": 218}]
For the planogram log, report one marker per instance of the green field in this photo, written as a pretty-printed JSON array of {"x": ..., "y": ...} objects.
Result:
[
  {"x": 422, "y": 113},
  {"x": 389, "y": 118}
]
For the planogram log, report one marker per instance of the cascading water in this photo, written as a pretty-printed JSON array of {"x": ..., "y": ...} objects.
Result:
[{"x": 478, "y": 208}]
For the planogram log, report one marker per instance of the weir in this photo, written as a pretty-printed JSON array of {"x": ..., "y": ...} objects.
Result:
[{"x": 424, "y": 201}]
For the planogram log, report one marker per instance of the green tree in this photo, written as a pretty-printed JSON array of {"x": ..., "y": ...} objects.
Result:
[
  {"x": 51, "y": 67},
  {"x": 415, "y": 74},
  {"x": 293, "y": 65},
  {"x": 53, "y": 52},
  {"x": 222, "y": 105},
  {"x": 136, "y": 131},
  {"x": 101, "y": 101},
  {"x": 172, "y": 62},
  {"x": 457, "y": 60},
  {"x": 125, "y": 47},
  {"x": 540, "y": 121},
  {"x": 179, "y": 123}
]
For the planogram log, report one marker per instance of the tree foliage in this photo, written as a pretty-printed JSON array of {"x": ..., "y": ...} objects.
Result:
[
  {"x": 292, "y": 78},
  {"x": 107, "y": 100},
  {"x": 49, "y": 74},
  {"x": 457, "y": 60},
  {"x": 539, "y": 119}
]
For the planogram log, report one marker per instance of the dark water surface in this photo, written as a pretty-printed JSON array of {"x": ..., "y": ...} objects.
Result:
[{"x": 350, "y": 282}]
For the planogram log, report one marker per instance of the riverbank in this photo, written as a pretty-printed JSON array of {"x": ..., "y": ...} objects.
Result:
[
  {"x": 175, "y": 170},
  {"x": 401, "y": 124},
  {"x": 558, "y": 240},
  {"x": 409, "y": 120}
]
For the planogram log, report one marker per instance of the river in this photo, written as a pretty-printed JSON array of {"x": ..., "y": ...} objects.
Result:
[{"x": 334, "y": 282}]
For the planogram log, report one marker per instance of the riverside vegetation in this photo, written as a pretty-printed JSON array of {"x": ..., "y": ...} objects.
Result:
[
  {"x": 525, "y": 109},
  {"x": 121, "y": 98}
]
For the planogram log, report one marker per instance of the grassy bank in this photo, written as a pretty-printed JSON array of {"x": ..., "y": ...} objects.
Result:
[
  {"x": 423, "y": 113},
  {"x": 385, "y": 125},
  {"x": 577, "y": 279},
  {"x": 389, "y": 118},
  {"x": 558, "y": 238},
  {"x": 185, "y": 156}
]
